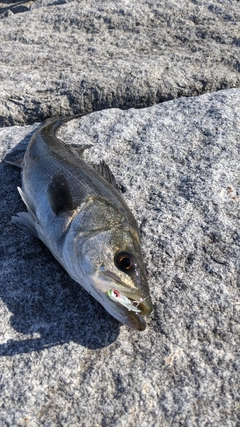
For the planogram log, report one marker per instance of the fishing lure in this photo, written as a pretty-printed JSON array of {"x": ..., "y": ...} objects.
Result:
[{"x": 116, "y": 296}]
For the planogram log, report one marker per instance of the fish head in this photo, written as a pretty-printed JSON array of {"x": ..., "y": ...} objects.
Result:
[{"x": 107, "y": 256}]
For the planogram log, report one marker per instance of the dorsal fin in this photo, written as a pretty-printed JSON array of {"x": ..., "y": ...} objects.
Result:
[
  {"x": 59, "y": 194},
  {"x": 79, "y": 149},
  {"x": 103, "y": 169}
]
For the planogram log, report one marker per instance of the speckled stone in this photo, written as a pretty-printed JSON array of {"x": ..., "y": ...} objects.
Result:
[
  {"x": 64, "y": 360},
  {"x": 65, "y": 57}
]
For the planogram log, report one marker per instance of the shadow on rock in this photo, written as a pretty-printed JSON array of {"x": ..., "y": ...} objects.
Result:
[{"x": 48, "y": 308}]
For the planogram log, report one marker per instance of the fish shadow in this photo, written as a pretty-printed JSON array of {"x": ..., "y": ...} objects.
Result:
[{"x": 46, "y": 307}]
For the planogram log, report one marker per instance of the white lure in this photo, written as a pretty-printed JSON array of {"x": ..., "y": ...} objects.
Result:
[{"x": 116, "y": 296}]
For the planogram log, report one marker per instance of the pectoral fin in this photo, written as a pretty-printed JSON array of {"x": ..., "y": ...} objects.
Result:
[{"x": 59, "y": 194}]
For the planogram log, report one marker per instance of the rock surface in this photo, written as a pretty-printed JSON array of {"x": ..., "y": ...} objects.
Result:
[
  {"x": 65, "y": 361},
  {"x": 64, "y": 57}
]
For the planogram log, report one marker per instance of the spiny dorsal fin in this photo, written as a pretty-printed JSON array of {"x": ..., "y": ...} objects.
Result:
[
  {"x": 79, "y": 149},
  {"x": 103, "y": 169},
  {"x": 59, "y": 194}
]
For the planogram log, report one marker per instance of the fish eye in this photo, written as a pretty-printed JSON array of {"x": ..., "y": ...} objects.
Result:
[{"x": 124, "y": 261}]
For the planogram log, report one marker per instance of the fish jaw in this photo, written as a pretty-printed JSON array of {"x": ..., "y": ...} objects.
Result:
[
  {"x": 129, "y": 309},
  {"x": 125, "y": 316},
  {"x": 131, "y": 296},
  {"x": 97, "y": 289},
  {"x": 122, "y": 313}
]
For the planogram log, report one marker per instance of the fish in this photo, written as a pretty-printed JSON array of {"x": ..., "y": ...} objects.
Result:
[{"x": 77, "y": 210}]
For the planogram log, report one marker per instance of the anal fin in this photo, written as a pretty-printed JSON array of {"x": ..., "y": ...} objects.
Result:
[
  {"x": 24, "y": 199},
  {"x": 14, "y": 161},
  {"x": 26, "y": 220}
]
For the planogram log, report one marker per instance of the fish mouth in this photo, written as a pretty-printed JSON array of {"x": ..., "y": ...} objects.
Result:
[
  {"x": 131, "y": 319},
  {"x": 143, "y": 304},
  {"x": 141, "y": 301},
  {"x": 131, "y": 304}
]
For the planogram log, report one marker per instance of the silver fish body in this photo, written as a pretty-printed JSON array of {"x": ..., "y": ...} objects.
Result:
[{"x": 80, "y": 215}]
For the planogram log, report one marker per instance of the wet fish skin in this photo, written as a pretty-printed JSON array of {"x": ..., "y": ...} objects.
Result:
[{"x": 84, "y": 221}]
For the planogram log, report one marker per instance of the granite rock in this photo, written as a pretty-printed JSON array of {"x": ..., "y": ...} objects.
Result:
[
  {"x": 65, "y": 57},
  {"x": 64, "y": 360}
]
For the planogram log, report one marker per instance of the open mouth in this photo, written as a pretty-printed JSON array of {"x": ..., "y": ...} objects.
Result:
[
  {"x": 117, "y": 296},
  {"x": 133, "y": 299},
  {"x": 130, "y": 302},
  {"x": 143, "y": 304}
]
